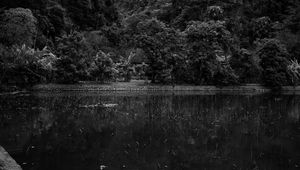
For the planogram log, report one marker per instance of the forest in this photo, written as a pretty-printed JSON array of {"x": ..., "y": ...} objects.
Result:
[{"x": 199, "y": 42}]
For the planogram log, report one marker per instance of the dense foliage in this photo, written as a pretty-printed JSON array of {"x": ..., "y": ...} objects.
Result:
[
  {"x": 209, "y": 47},
  {"x": 24, "y": 66},
  {"x": 274, "y": 62},
  {"x": 18, "y": 26},
  {"x": 162, "y": 46},
  {"x": 220, "y": 42}
]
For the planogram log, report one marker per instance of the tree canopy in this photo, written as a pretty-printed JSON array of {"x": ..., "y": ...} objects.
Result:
[
  {"x": 18, "y": 26},
  {"x": 220, "y": 42}
]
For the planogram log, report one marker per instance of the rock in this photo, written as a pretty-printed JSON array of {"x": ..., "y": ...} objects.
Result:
[{"x": 7, "y": 162}]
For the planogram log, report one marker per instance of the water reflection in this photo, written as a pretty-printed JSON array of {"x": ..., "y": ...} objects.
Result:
[{"x": 86, "y": 131}]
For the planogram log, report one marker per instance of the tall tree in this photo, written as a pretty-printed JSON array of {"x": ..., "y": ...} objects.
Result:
[{"x": 18, "y": 26}]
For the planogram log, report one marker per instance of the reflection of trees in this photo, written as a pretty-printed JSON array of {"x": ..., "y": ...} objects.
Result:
[
  {"x": 77, "y": 134},
  {"x": 162, "y": 132},
  {"x": 293, "y": 108},
  {"x": 236, "y": 132}
]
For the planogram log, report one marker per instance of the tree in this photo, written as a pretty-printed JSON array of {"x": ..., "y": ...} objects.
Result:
[
  {"x": 32, "y": 4},
  {"x": 102, "y": 68},
  {"x": 187, "y": 13},
  {"x": 92, "y": 14},
  {"x": 215, "y": 12},
  {"x": 272, "y": 9},
  {"x": 18, "y": 26},
  {"x": 209, "y": 45},
  {"x": 75, "y": 56},
  {"x": 292, "y": 32},
  {"x": 261, "y": 28},
  {"x": 246, "y": 66},
  {"x": 274, "y": 62},
  {"x": 162, "y": 46},
  {"x": 56, "y": 14},
  {"x": 292, "y": 19}
]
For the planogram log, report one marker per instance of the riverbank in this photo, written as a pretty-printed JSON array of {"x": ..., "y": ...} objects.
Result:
[{"x": 138, "y": 85}]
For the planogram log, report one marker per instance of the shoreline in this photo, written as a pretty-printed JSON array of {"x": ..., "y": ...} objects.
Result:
[{"x": 140, "y": 86}]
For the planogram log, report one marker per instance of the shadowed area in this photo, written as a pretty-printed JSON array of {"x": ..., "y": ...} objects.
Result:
[{"x": 88, "y": 131}]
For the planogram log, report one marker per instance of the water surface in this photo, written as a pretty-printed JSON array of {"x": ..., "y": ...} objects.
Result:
[{"x": 112, "y": 131}]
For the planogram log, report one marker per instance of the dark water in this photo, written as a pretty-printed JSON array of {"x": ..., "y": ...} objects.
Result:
[{"x": 151, "y": 132}]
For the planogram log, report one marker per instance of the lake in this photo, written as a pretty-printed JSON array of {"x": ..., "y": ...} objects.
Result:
[{"x": 151, "y": 131}]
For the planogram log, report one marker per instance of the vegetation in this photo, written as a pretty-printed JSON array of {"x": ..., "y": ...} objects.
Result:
[
  {"x": 220, "y": 42},
  {"x": 18, "y": 26},
  {"x": 274, "y": 62},
  {"x": 209, "y": 51},
  {"x": 23, "y": 66}
]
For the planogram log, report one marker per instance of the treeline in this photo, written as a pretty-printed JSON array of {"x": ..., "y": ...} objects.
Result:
[{"x": 219, "y": 42}]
